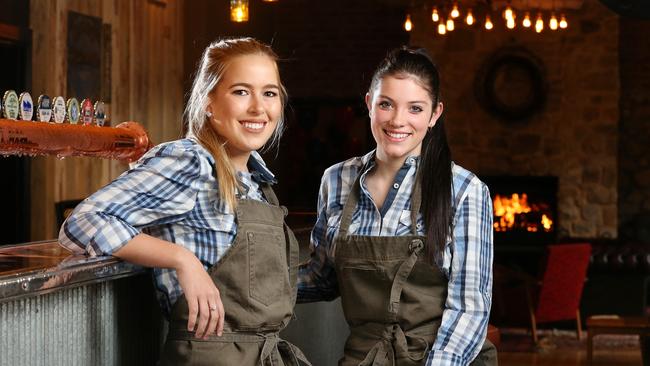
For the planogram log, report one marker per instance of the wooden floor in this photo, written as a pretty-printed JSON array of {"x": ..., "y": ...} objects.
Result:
[
  {"x": 563, "y": 349},
  {"x": 568, "y": 357}
]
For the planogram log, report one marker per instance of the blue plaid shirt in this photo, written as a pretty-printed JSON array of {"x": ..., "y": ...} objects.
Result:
[
  {"x": 171, "y": 194},
  {"x": 466, "y": 261}
]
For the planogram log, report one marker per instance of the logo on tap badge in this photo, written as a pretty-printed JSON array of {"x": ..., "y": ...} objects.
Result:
[
  {"x": 44, "y": 110},
  {"x": 10, "y": 101},
  {"x": 87, "y": 112},
  {"x": 73, "y": 111},
  {"x": 58, "y": 109},
  {"x": 100, "y": 113},
  {"x": 26, "y": 106}
]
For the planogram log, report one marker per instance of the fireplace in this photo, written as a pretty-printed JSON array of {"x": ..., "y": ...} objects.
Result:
[{"x": 525, "y": 210}]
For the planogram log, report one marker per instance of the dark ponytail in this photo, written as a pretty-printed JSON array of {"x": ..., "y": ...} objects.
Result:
[{"x": 434, "y": 172}]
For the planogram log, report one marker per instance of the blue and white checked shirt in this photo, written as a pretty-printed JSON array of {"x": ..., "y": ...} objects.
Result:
[
  {"x": 171, "y": 194},
  {"x": 466, "y": 261}
]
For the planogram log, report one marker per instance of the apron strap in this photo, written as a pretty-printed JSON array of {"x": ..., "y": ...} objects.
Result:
[
  {"x": 402, "y": 274},
  {"x": 269, "y": 194},
  {"x": 350, "y": 205},
  {"x": 416, "y": 201}
]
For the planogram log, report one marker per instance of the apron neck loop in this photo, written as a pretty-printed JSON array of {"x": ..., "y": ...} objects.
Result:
[
  {"x": 416, "y": 201},
  {"x": 353, "y": 198},
  {"x": 350, "y": 205},
  {"x": 269, "y": 194}
]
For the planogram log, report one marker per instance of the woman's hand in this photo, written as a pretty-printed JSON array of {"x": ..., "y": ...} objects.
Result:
[
  {"x": 202, "y": 297},
  {"x": 200, "y": 291}
]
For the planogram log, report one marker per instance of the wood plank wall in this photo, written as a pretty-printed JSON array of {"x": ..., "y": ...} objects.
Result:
[{"x": 146, "y": 86}]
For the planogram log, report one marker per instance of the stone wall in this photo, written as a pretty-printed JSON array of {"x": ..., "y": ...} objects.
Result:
[{"x": 573, "y": 137}]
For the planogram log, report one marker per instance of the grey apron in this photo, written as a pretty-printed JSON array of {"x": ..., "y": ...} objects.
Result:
[
  {"x": 257, "y": 282},
  {"x": 392, "y": 298}
]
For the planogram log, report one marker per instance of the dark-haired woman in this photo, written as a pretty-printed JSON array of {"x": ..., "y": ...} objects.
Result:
[{"x": 404, "y": 235}]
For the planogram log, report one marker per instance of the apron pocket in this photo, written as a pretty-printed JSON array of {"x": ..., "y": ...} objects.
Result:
[
  {"x": 267, "y": 265},
  {"x": 362, "y": 299}
]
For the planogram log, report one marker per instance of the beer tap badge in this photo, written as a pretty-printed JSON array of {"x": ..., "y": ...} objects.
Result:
[
  {"x": 87, "y": 112},
  {"x": 73, "y": 111},
  {"x": 58, "y": 109},
  {"x": 44, "y": 111},
  {"x": 10, "y": 101},
  {"x": 100, "y": 113},
  {"x": 26, "y": 106}
]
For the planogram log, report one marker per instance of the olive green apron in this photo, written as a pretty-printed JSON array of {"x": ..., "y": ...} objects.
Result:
[
  {"x": 257, "y": 281},
  {"x": 392, "y": 298}
]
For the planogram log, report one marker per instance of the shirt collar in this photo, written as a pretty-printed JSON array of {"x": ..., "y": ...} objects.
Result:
[
  {"x": 258, "y": 169},
  {"x": 368, "y": 161}
]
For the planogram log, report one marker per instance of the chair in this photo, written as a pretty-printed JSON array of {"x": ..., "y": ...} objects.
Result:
[{"x": 556, "y": 296}]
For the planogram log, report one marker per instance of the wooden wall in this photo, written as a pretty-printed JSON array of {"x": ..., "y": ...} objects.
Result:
[{"x": 146, "y": 86}]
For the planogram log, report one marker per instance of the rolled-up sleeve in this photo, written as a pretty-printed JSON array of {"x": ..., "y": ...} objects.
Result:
[
  {"x": 159, "y": 190},
  {"x": 467, "y": 309}
]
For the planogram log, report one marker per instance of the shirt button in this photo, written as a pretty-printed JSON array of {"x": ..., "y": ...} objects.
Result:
[
  {"x": 411, "y": 160},
  {"x": 396, "y": 185}
]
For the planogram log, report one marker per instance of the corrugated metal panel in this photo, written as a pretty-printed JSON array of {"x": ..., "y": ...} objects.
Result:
[{"x": 108, "y": 323}]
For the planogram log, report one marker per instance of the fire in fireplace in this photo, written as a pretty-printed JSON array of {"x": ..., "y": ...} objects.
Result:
[
  {"x": 525, "y": 209},
  {"x": 515, "y": 213}
]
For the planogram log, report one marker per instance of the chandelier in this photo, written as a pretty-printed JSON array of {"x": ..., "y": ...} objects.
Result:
[{"x": 533, "y": 15}]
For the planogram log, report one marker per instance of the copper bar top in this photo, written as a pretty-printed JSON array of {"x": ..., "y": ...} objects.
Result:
[{"x": 36, "y": 268}]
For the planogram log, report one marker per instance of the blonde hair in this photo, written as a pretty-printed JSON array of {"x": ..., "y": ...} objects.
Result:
[{"x": 213, "y": 64}]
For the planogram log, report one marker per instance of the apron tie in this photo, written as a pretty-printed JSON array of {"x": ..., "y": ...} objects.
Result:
[
  {"x": 394, "y": 341},
  {"x": 402, "y": 274},
  {"x": 272, "y": 342}
]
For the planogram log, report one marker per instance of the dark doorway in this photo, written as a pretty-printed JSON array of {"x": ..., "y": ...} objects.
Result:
[{"x": 15, "y": 63}]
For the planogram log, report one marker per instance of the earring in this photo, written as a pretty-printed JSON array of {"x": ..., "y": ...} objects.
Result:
[{"x": 208, "y": 113}]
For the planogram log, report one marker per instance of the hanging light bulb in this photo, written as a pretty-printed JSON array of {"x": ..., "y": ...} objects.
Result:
[
  {"x": 527, "y": 23},
  {"x": 508, "y": 13},
  {"x": 455, "y": 13},
  {"x": 488, "y": 23},
  {"x": 407, "y": 24},
  {"x": 563, "y": 22},
  {"x": 441, "y": 28},
  {"x": 269, "y": 1},
  {"x": 450, "y": 24},
  {"x": 510, "y": 23},
  {"x": 470, "y": 18},
  {"x": 239, "y": 11},
  {"x": 552, "y": 23},
  {"x": 539, "y": 23},
  {"x": 434, "y": 14}
]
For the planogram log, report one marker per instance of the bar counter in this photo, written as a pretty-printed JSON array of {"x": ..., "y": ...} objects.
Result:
[{"x": 57, "y": 308}]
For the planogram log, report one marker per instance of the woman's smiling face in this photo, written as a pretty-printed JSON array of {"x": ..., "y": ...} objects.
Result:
[
  {"x": 246, "y": 105},
  {"x": 401, "y": 111}
]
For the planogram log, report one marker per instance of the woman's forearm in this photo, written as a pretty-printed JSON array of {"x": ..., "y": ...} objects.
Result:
[{"x": 148, "y": 251}]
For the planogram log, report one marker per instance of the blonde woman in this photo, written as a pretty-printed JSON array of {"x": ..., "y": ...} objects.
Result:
[{"x": 201, "y": 212}]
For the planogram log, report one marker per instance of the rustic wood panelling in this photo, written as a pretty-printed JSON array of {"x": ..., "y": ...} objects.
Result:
[{"x": 146, "y": 86}]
